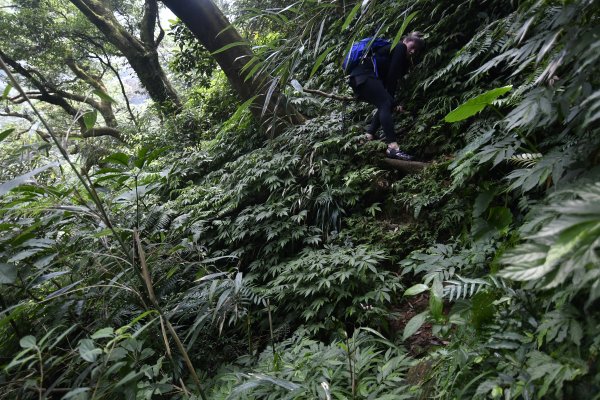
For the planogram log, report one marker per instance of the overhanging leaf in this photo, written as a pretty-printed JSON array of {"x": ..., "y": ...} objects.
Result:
[
  {"x": 89, "y": 119},
  {"x": 320, "y": 61},
  {"x": 104, "y": 96},
  {"x": 476, "y": 104},
  {"x": 88, "y": 351},
  {"x": 416, "y": 289},
  {"x": 351, "y": 15},
  {"x": 414, "y": 324},
  {"x": 270, "y": 92},
  {"x": 238, "y": 113},
  {"x": 6, "y": 133},
  {"x": 103, "y": 333},
  {"x": 118, "y": 158},
  {"x": 28, "y": 342},
  {"x": 229, "y": 46},
  {"x": 6, "y": 91},
  {"x": 403, "y": 28}
]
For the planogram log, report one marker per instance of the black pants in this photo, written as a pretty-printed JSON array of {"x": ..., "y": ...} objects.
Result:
[{"x": 373, "y": 92}]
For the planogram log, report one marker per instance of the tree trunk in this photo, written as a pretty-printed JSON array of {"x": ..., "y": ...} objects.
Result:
[
  {"x": 214, "y": 31},
  {"x": 141, "y": 54}
]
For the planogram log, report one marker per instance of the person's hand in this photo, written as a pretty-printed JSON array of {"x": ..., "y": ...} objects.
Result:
[{"x": 400, "y": 109}]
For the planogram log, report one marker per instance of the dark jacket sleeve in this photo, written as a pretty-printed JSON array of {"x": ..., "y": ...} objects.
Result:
[{"x": 398, "y": 68}]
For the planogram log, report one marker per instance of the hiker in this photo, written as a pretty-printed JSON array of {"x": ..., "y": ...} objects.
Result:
[{"x": 374, "y": 73}]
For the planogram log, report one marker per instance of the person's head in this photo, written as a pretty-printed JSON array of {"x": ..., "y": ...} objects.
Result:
[{"x": 415, "y": 44}]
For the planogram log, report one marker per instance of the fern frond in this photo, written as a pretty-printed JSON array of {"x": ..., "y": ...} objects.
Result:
[
  {"x": 525, "y": 160},
  {"x": 463, "y": 288}
]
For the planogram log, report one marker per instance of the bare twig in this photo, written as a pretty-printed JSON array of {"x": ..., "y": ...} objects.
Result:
[{"x": 329, "y": 95}]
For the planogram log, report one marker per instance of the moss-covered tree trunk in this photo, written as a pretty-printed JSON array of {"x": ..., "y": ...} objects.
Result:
[
  {"x": 215, "y": 32},
  {"x": 141, "y": 53}
]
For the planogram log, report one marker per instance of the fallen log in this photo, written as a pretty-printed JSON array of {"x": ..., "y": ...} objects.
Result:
[{"x": 408, "y": 167}]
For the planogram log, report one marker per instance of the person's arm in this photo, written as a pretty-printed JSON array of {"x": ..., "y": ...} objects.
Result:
[{"x": 398, "y": 68}]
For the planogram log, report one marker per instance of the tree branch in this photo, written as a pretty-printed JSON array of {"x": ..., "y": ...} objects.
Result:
[
  {"x": 148, "y": 23},
  {"x": 103, "y": 131},
  {"x": 17, "y": 115},
  {"x": 121, "y": 85},
  {"x": 49, "y": 93},
  {"x": 161, "y": 34},
  {"x": 330, "y": 95}
]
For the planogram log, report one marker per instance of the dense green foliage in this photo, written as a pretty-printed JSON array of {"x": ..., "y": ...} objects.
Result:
[{"x": 298, "y": 267}]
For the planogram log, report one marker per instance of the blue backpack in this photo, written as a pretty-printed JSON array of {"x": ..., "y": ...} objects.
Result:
[{"x": 359, "y": 51}]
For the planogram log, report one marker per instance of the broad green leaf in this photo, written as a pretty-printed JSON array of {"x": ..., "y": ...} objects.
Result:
[
  {"x": 211, "y": 276},
  {"x": 320, "y": 61},
  {"x": 238, "y": 113},
  {"x": 482, "y": 202},
  {"x": 88, "y": 351},
  {"x": 270, "y": 92},
  {"x": 416, "y": 289},
  {"x": 6, "y": 133},
  {"x": 351, "y": 15},
  {"x": 104, "y": 96},
  {"x": 8, "y": 273},
  {"x": 228, "y": 27},
  {"x": 403, "y": 28},
  {"x": 500, "y": 218},
  {"x": 254, "y": 69},
  {"x": 525, "y": 272},
  {"x": 103, "y": 333},
  {"x": 45, "y": 261},
  {"x": 75, "y": 393},
  {"x": 229, "y": 46},
  {"x": 89, "y": 119},
  {"x": 22, "y": 255},
  {"x": 63, "y": 289},
  {"x": 19, "y": 360},
  {"x": 6, "y": 91},
  {"x": 140, "y": 157},
  {"x": 414, "y": 324},
  {"x": 145, "y": 156},
  {"x": 435, "y": 299},
  {"x": 118, "y": 158},
  {"x": 476, "y": 104},
  {"x": 28, "y": 342},
  {"x": 261, "y": 380},
  {"x": 47, "y": 277},
  {"x": 137, "y": 319},
  {"x": 129, "y": 377}
]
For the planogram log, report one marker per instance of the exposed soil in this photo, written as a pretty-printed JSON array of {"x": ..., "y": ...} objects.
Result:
[{"x": 419, "y": 343}]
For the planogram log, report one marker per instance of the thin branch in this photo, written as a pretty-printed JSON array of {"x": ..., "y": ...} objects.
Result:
[
  {"x": 330, "y": 95},
  {"x": 29, "y": 118},
  {"x": 161, "y": 34},
  {"x": 123, "y": 92}
]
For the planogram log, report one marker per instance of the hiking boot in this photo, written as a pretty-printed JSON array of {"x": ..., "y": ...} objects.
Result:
[{"x": 398, "y": 154}]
